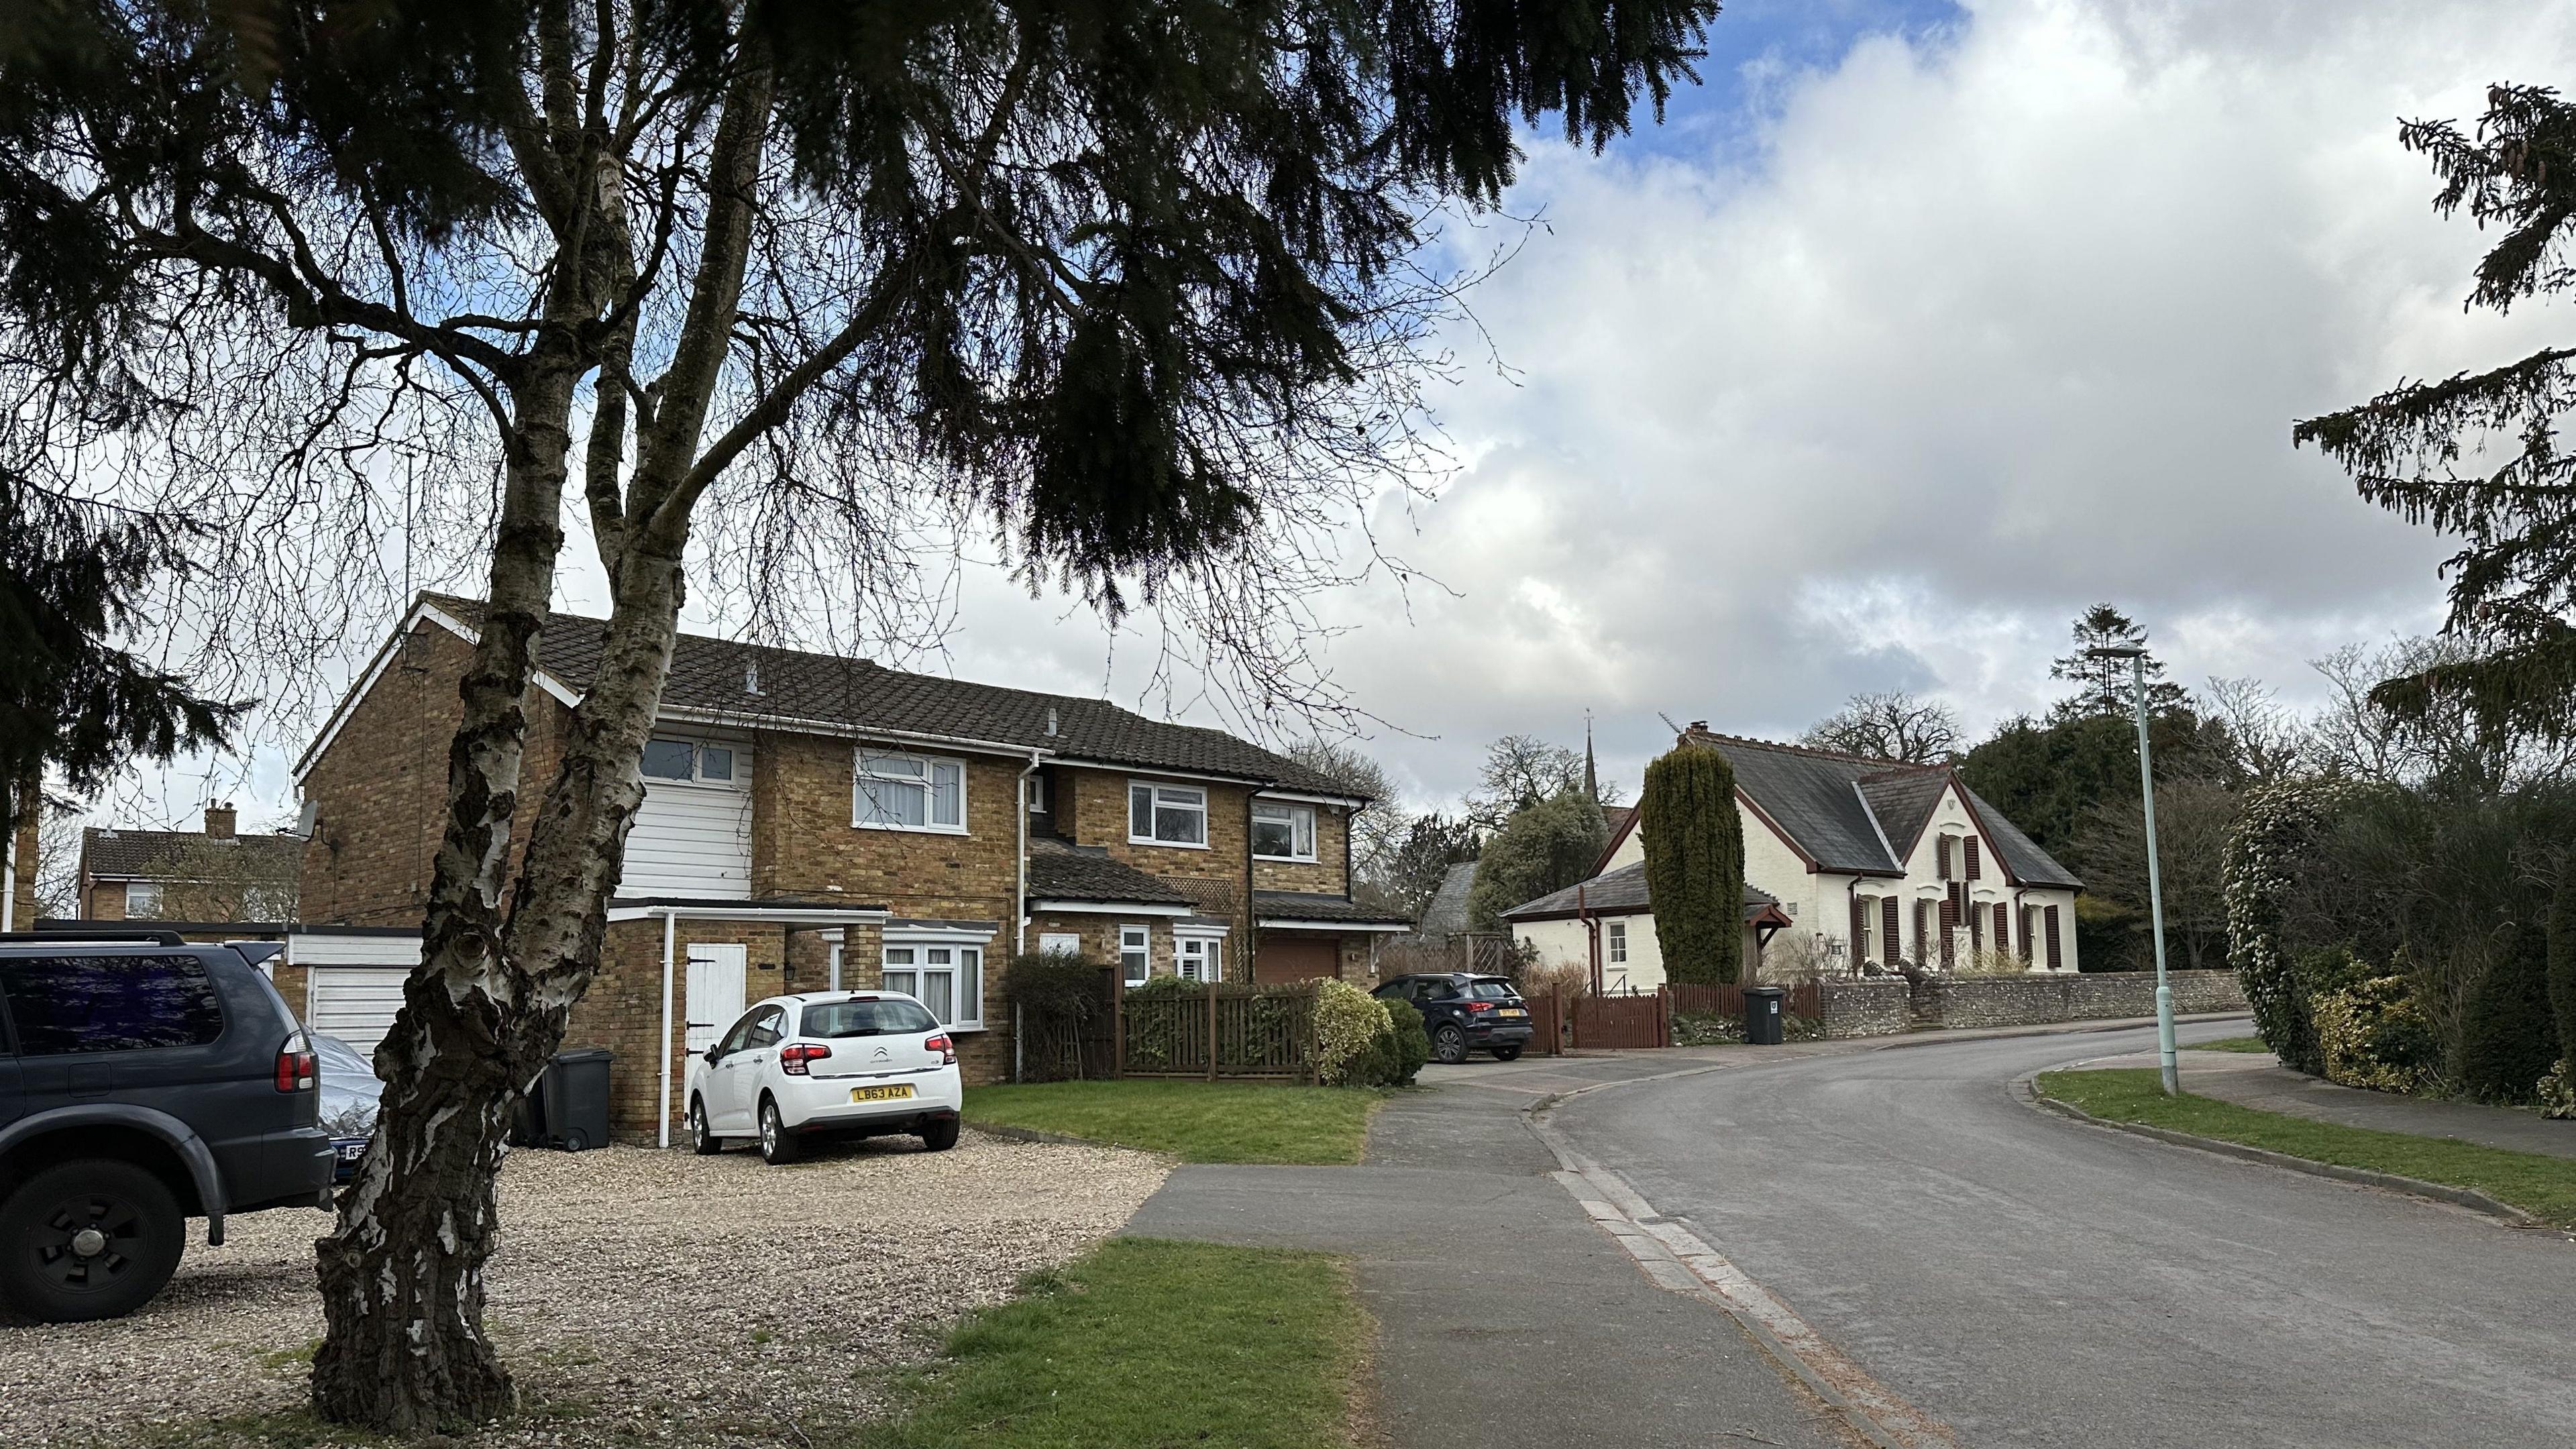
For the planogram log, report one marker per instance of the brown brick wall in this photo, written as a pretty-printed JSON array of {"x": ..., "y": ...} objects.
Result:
[
  {"x": 28, "y": 812},
  {"x": 803, "y": 843},
  {"x": 1213, "y": 878},
  {"x": 103, "y": 900}
]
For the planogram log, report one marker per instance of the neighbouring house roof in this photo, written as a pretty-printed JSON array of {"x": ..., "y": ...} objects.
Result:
[
  {"x": 1619, "y": 893},
  {"x": 1445, "y": 914},
  {"x": 188, "y": 855},
  {"x": 1859, "y": 816},
  {"x": 1307, "y": 906},
  {"x": 1060, "y": 871},
  {"x": 857, "y": 696},
  {"x": 1620, "y": 819}
]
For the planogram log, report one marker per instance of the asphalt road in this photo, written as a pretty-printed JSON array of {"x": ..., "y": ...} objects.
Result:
[{"x": 2031, "y": 1280}]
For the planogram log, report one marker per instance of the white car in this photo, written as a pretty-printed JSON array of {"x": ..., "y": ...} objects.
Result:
[{"x": 826, "y": 1064}]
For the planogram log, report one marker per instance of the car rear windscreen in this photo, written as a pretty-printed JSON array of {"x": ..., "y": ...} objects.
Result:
[
  {"x": 866, "y": 1018},
  {"x": 67, "y": 1004},
  {"x": 1491, "y": 991}
]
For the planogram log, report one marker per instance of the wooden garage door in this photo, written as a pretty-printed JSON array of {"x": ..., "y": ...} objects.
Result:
[
  {"x": 1296, "y": 958},
  {"x": 356, "y": 1003}
]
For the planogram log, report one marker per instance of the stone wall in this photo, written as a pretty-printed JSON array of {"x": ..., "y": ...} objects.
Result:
[
  {"x": 1881, "y": 1007},
  {"x": 1873, "y": 1006}
]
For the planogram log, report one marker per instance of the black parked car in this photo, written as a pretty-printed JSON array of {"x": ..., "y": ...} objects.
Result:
[
  {"x": 1463, "y": 1012},
  {"x": 143, "y": 1081}
]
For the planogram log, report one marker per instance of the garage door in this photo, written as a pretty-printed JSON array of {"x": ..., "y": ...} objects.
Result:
[
  {"x": 1295, "y": 958},
  {"x": 356, "y": 1003}
]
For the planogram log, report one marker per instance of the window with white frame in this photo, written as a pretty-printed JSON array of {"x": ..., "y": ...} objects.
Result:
[
  {"x": 947, "y": 979},
  {"x": 688, "y": 762},
  {"x": 1166, "y": 815},
  {"x": 908, "y": 792},
  {"x": 1200, "y": 958},
  {"x": 1060, "y": 943},
  {"x": 1282, "y": 831},
  {"x": 142, "y": 899},
  {"x": 1135, "y": 953},
  {"x": 1037, "y": 793},
  {"x": 1615, "y": 935}
]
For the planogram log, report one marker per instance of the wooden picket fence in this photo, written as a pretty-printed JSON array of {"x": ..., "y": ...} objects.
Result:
[
  {"x": 1806, "y": 999},
  {"x": 1214, "y": 1031},
  {"x": 1565, "y": 1020}
]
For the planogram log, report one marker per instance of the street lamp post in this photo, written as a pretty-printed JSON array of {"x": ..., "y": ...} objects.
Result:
[{"x": 2165, "y": 1059}]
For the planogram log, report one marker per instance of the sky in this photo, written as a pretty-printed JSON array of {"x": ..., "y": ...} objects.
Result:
[{"x": 1915, "y": 330}]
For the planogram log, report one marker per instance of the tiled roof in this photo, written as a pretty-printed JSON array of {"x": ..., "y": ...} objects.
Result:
[
  {"x": 1621, "y": 892},
  {"x": 183, "y": 855},
  {"x": 1063, "y": 872},
  {"x": 1446, "y": 914},
  {"x": 717, "y": 676},
  {"x": 1303, "y": 906},
  {"x": 1903, "y": 800}
]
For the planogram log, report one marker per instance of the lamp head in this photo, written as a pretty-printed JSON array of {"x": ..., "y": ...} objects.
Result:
[{"x": 2115, "y": 651}]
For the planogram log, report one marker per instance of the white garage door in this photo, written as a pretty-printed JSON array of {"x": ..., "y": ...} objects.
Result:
[{"x": 356, "y": 1003}]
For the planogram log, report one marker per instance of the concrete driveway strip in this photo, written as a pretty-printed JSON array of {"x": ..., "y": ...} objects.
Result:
[
  {"x": 2027, "y": 1280},
  {"x": 1505, "y": 1317}
]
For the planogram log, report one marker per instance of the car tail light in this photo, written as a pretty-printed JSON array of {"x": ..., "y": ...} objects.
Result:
[
  {"x": 792, "y": 1059},
  {"x": 296, "y": 1065},
  {"x": 1480, "y": 1006},
  {"x": 941, "y": 1044}
]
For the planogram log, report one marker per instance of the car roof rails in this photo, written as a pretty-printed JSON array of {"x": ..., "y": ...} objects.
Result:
[{"x": 86, "y": 937}]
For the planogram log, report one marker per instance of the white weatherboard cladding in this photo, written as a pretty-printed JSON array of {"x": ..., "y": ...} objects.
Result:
[
  {"x": 354, "y": 983},
  {"x": 693, "y": 840}
]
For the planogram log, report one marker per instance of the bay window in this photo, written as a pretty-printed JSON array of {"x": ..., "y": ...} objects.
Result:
[
  {"x": 908, "y": 792},
  {"x": 1282, "y": 831},
  {"x": 1167, "y": 815}
]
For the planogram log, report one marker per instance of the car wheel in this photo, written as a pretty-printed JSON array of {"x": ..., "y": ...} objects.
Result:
[
  {"x": 1449, "y": 1044},
  {"x": 1507, "y": 1054},
  {"x": 702, "y": 1141},
  {"x": 778, "y": 1146},
  {"x": 88, "y": 1239},
  {"x": 940, "y": 1136}
]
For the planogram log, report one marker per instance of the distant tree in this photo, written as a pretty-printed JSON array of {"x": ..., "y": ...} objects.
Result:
[
  {"x": 2102, "y": 686},
  {"x": 1547, "y": 847},
  {"x": 2193, "y": 819},
  {"x": 2437, "y": 745},
  {"x": 2046, "y": 777},
  {"x": 1519, "y": 772},
  {"x": 1890, "y": 725},
  {"x": 1404, "y": 878},
  {"x": 73, "y": 700},
  {"x": 1695, "y": 864},
  {"x": 2270, "y": 742}
]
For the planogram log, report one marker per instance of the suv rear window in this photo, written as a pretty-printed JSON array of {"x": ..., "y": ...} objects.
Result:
[
  {"x": 68, "y": 1004},
  {"x": 867, "y": 1018},
  {"x": 1492, "y": 991}
]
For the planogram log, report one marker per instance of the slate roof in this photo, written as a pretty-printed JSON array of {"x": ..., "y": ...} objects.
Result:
[
  {"x": 1446, "y": 912},
  {"x": 1059, "y": 871},
  {"x": 714, "y": 675},
  {"x": 117, "y": 854},
  {"x": 1851, "y": 813},
  {"x": 1621, "y": 892},
  {"x": 1304, "y": 906}
]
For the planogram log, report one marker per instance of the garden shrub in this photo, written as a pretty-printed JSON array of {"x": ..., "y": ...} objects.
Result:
[
  {"x": 1347, "y": 1020},
  {"x": 1057, "y": 995},
  {"x": 2508, "y": 1041},
  {"x": 2557, "y": 1091},
  {"x": 1412, "y": 1043},
  {"x": 2277, "y": 822},
  {"x": 2373, "y": 1035},
  {"x": 2562, "y": 954}
]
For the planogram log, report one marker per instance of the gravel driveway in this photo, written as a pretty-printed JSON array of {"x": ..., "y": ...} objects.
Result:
[{"x": 644, "y": 1294}]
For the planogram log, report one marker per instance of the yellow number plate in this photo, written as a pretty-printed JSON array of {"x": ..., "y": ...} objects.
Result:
[
  {"x": 1509, "y": 1011},
  {"x": 880, "y": 1094}
]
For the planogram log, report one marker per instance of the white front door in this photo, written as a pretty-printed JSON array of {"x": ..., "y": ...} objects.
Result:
[{"x": 715, "y": 992}]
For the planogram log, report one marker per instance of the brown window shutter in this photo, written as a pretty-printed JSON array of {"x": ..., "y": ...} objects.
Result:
[
  {"x": 1887, "y": 929},
  {"x": 2052, "y": 938},
  {"x": 1922, "y": 909},
  {"x": 1941, "y": 857},
  {"x": 1949, "y": 930},
  {"x": 1976, "y": 929},
  {"x": 1859, "y": 927},
  {"x": 1969, "y": 843},
  {"x": 2003, "y": 927}
]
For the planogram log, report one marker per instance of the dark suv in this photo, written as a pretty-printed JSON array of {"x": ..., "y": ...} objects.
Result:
[
  {"x": 143, "y": 1081},
  {"x": 1464, "y": 1012}
]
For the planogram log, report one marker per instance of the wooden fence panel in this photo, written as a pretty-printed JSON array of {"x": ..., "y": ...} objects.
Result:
[
  {"x": 1218, "y": 1031},
  {"x": 1806, "y": 1000},
  {"x": 1623, "y": 1021}
]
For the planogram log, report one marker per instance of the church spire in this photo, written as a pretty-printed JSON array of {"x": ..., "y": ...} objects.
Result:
[{"x": 1591, "y": 776}]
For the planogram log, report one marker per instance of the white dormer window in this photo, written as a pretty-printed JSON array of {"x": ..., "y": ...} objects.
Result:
[
  {"x": 908, "y": 792},
  {"x": 688, "y": 762},
  {"x": 1283, "y": 832},
  {"x": 1167, "y": 815}
]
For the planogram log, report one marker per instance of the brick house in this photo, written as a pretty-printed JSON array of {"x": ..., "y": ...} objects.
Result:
[
  {"x": 210, "y": 875},
  {"x": 1849, "y": 860},
  {"x": 812, "y": 822}
]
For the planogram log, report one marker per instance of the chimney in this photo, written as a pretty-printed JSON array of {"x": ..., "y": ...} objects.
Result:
[
  {"x": 1699, "y": 727},
  {"x": 1050, "y": 721},
  {"x": 219, "y": 819}
]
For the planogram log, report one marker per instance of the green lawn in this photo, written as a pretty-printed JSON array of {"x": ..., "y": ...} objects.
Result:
[
  {"x": 2544, "y": 1187},
  {"x": 1194, "y": 1121},
  {"x": 2231, "y": 1044},
  {"x": 1153, "y": 1345}
]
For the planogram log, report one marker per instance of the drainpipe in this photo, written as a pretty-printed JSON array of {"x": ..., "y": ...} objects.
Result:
[
  {"x": 670, "y": 933},
  {"x": 1020, "y": 932}
]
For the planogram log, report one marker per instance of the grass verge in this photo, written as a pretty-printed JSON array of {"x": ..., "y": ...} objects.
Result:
[
  {"x": 2231, "y": 1044},
  {"x": 2544, "y": 1187},
  {"x": 1193, "y": 1121},
  {"x": 1147, "y": 1343}
]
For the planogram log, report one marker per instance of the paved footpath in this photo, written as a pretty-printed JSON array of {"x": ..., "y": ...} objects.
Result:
[
  {"x": 2254, "y": 1079},
  {"x": 1506, "y": 1316}
]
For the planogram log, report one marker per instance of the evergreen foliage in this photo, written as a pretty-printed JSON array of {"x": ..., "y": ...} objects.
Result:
[
  {"x": 2513, "y": 581},
  {"x": 1694, "y": 843},
  {"x": 2277, "y": 824},
  {"x": 2103, "y": 687},
  {"x": 2046, "y": 777},
  {"x": 1547, "y": 847},
  {"x": 2508, "y": 1040},
  {"x": 2562, "y": 954}
]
